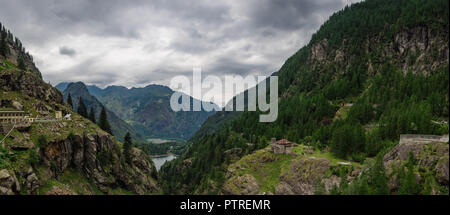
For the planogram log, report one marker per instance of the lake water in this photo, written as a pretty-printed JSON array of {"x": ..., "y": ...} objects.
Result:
[{"x": 161, "y": 160}]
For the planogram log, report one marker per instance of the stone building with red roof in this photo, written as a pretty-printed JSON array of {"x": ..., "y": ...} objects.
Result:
[{"x": 282, "y": 146}]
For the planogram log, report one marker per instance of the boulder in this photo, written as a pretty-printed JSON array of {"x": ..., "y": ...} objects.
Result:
[
  {"x": 22, "y": 145},
  {"x": 9, "y": 185},
  {"x": 17, "y": 105},
  {"x": 60, "y": 191}
]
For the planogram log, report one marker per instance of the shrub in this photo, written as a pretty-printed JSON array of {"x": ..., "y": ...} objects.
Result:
[
  {"x": 33, "y": 158},
  {"x": 42, "y": 141}
]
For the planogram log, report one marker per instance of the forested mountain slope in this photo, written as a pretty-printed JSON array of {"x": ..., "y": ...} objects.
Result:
[
  {"x": 373, "y": 71},
  {"x": 44, "y": 154}
]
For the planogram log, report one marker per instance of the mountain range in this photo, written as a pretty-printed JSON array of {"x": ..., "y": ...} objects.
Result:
[
  {"x": 363, "y": 110},
  {"x": 147, "y": 110},
  {"x": 118, "y": 126}
]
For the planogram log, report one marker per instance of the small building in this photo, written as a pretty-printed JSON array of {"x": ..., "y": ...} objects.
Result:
[
  {"x": 12, "y": 116},
  {"x": 58, "y": 114},
  {"x": 281, "y": 146}
]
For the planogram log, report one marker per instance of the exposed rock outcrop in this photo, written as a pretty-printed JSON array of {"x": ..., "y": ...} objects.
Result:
[
  {"x": 303, "y": 176},
  {"x": 430, "y": 157},
  {"x": 15, "y": 52},
  {"x": 9, "y": 184},
  {"x": 241, "y": 185},
  {"x": 98, "y": 156},
  {"x": 319, "y": 51},
  {"x": 31, "y": 85}
]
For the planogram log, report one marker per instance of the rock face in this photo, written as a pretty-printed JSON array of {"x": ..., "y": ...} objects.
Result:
[
  {"x": 8, "y": 183},
  {"x": 15, "y": 52},
  {"x": 98, "y": 156},
  {"x": 430, "y": 156},
  {"x": 303, "y": 176},
  {"x": 58, "y": 191},
  {"x": 31, "y": 85},
  {"x": 319, "y": 51},
  {"x": 241, "y": 185}
]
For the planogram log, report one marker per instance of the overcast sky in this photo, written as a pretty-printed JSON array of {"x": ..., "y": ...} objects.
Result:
[{"x": 141, "y": 42}]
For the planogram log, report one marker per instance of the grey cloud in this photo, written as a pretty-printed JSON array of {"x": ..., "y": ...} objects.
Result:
[
  {"x": 223, "y": 34},
  {"x": 86, "y": 71},
  {"x": 64, "y": 50},
  {"x": 292, "y": 14}
]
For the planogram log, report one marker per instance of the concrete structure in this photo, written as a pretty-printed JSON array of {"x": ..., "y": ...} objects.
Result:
[
  {"x": 282, "y": 146},
  {"x": 421, "y": 138},
  {"x": 58, "y": 114},
  {"x": 14, "y": 117}
]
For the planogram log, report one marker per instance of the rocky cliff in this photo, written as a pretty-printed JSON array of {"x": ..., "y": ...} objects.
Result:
[
  {"x": 13, "y": 52},
  {"x": 62, "y": 156},
  {"x": 29, "y": 84}
]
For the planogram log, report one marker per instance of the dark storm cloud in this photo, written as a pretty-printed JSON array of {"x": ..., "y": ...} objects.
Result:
[
  {"x": 102, "y": 17},
  {"x": 138, "y": 41},
  {"x": 64, "y": 50}
]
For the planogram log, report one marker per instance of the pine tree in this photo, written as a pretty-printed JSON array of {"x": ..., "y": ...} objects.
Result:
[
  {"x": 378, "y": 174},
  {"x": 103, "y": 121},
  {"x": 92, "y": 115},
  {"x": 127, "y": 147},
  {"x": 69, "y": 101},
  {"x": 363, "y": 188},
  {"x": 21, "y": 64},
  {"x": 82, "y": 110},
  {"x": 409, "y": 184},
  {"x": 3, "y": 45}
]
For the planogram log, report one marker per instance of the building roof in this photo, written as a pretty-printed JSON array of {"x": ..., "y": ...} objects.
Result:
[{"x": 284, "y": 142}]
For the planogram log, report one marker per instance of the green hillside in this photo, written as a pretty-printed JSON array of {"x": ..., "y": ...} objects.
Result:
[{"x": 373, "y": 71}]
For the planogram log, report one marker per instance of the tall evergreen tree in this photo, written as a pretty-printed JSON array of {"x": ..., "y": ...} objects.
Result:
[
  {"x": 363, "y": 188},
  {"x": 3, "y": 45},
  {"x": 127, "y": 147},
  {"x": 409, "y": 185},
  {"x": 92, "y": 115},
  {"x": 82, "y": 110},
  {"x": 21, "y": 64},
  {"x": 103, "y": 121},
  {"x": 378, "y": 174},
  {"x": 69, "y": 101}
]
